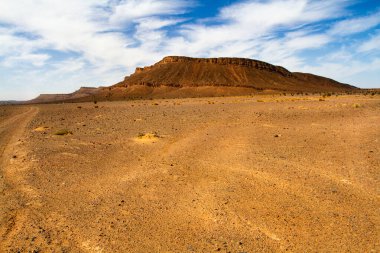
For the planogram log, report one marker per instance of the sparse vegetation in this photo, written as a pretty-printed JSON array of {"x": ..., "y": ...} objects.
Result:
[{"x": 148, "y": 136}]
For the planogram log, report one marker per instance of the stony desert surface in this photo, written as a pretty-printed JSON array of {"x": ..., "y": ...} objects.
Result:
[{"x": 232, "y": 174}]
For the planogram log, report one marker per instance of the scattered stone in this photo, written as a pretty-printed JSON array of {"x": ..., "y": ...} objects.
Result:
[{"x": 63, "y": 132}]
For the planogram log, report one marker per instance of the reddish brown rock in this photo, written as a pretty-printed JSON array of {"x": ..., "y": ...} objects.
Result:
[{"x": 179, "y": 71}]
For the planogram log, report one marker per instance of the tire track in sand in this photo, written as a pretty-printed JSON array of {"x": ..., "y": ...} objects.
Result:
[{"x": 15, "y": 194}]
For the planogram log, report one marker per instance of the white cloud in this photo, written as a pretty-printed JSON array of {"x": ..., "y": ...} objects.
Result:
[
  {"x": 37, "y": 60},
  {"x": 256, "y": 22},
  {"x": 344, "y": 72},
  {"x": 371, "y": 45},
  {"x": 83, "y": 27},
  {"x": 307, "y": 42},
  {"x": 356, "y": 25},
  {"x": 154, "y": 23},
  {"x": 130, "y": 10},
  {"x": 12, "y": 45}
]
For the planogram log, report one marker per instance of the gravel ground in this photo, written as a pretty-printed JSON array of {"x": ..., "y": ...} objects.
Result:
[{"x": 236, "y": 174}]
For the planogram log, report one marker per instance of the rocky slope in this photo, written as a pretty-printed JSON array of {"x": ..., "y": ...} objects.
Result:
[{"x": 177, "y": 71}]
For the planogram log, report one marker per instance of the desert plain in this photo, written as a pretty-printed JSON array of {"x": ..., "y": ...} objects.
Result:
[{"x": 229, "y": 174}]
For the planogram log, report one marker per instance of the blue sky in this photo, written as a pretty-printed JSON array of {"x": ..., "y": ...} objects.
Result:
[{"x": 51, "y": 46}]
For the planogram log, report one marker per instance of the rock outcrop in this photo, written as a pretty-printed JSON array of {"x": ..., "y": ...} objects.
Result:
[{"x": 180, "y": 71}]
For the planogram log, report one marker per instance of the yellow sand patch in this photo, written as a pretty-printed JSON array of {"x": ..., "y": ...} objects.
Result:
[
  {"x": 345, "y": 181},
  {"x": 69, "y": 154},
  {"x": 41, "y": 129},
  {"x": 89, "y": 246},
  {"x": 147, "y": 138},
  {"x": 268, "y": 125},
  {"x": 269, "y": 234}
]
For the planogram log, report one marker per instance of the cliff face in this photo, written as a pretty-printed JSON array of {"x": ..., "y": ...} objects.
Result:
[
  {"x": 227, "y": 61},
  {"x": 180, "y": 71}
]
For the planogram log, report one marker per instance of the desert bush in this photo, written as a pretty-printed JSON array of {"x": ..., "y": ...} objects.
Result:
[{"x": 148, "y": 135}]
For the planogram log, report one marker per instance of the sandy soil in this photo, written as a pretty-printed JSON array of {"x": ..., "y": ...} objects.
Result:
[{"x": 237, "y": 174}]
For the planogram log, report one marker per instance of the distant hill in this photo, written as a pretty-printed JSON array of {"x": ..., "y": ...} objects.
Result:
[
  {"x": 83, "y": 92},
  {"x": 178, "y": 76},
  {"x": 177, "y": 71},
  {"x": 9, "y": 102}
]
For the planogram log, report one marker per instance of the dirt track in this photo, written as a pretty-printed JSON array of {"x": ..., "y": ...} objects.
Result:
[
  {"x": 15, "y": 191},
  {"x": 223, "y": 174}
]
